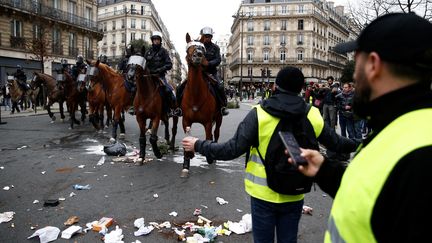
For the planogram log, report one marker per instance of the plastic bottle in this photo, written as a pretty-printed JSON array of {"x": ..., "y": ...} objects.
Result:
[{"x": 81, "y": 187}]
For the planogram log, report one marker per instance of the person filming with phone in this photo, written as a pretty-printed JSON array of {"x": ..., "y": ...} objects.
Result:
[
  {"x": 275, "y": 187},
  {"x": 376, "y": 195}
]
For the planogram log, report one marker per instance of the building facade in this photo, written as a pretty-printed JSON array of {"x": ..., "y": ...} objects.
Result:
[
  {"x": 123, "y": 21},
  {"x": 66, "y": 28},
  {"x": 270, "y": 34}
]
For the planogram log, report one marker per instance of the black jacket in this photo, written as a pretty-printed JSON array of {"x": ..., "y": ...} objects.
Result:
[
  {"x": 280, "y": 105},
  {"x": 398, "y": 214},
  {"x": 213, "y": 56},
  {"x": 158, "y": 60}
]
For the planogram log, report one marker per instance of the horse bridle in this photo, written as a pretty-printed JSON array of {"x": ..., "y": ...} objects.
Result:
[{"x": 135, "y": 61}]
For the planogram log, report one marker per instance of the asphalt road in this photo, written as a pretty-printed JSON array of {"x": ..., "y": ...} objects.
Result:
[{"x": 39, "y": 160}]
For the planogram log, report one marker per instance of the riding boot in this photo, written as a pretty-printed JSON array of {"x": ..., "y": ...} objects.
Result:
[
  {"x": 179, "y": 96},
  {"x": 222, "y": 99}
]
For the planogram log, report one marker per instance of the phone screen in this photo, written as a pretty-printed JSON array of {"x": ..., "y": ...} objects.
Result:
[{"x": 293, "y": 148}]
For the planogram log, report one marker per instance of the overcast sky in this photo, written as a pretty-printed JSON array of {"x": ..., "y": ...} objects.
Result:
[{"x": 182, "y": 16}]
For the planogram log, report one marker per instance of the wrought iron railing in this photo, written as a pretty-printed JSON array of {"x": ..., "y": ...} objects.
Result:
[
  {"x": 17, "y": 42},
  {"x": 50, "y": 12}
]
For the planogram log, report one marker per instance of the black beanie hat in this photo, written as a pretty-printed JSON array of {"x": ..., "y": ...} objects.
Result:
[{"x": 290, "y": 79}]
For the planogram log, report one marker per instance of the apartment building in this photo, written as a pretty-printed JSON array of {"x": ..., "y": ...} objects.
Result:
[
  {"x": 67, "y": 28},
  {"x": 123, "y": 21},
  {"x": 270, "y": 34}
]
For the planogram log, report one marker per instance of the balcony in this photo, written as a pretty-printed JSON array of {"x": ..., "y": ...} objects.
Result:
[
  {"x": 73, "y": 51},
  {"x": 17, "y": 42},
  {"x": 57, "y": 49},
  {"x": 46, "y": 11}
]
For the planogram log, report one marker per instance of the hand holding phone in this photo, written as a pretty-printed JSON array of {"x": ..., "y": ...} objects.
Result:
[{"x": 293, "y": 148}]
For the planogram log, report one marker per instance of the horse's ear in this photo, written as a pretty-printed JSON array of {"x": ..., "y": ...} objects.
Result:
[
  {"x": 97, "y": 63},
  {"x": 143, "y": 50},
  {"x": 188, "y": 38}
]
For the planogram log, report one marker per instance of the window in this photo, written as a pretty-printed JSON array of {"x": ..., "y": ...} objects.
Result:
[
  {"x": 300, "y": 9},
  {"x": 87, "y": 46},
  {"x": 300, "y": 55},
  {"x": 284, "y": 10},
  {"x": 300, "y": 39},
  {"x": 104, "y": 39},
  {"x": 250, "y": 55},
  {"x": 72, "y": 9},
  {"x": 250, "y": 25},
  {"x": 283, "y": 25},
  {"x": 73, "y": 50},
  {"x": 114, "y": 25},
  {"x": 56, "y": 4},
  {"x": 266, "y": 55},
  {"x": 300, "y": 24},
  {"x": 88, "y": 14},
  {"x": 123, "y": 24},
  {"x": 282, "y": 55},
  {"x": 104, "y": 26},
  {"x": 132, "y": 9},
  {"x": 57, "y": 48},
  {"x": 142, "y": 10},
  {"x": 250, "y": 40},
  {"x": 113, "y": 36},
  {"x": 123, "y": 37},
  {"x": 250, "y": 72},
  {"x": 267, "y": 10},
  {"x": 37, "y": 34},
  {"x": 142, "y": 36},
  {"x": 283, "y": 39},
  {"x": 266, "y": 40},
  {"x": 143, "y": 24},
  {"x": 266, "y": 24},
  {"x": 115, "y": 10},
  {"x": 132, "y": 36},
  {"x": 133, "y": 23},
  {"x": 16, "y": 28}
]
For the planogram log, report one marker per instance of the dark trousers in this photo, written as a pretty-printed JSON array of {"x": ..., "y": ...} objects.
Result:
[
  {"x": 267, "y": 216},
  {"x": 346, "y": 124}
]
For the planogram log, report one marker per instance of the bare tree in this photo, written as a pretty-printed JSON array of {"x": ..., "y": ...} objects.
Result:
[
  {"x": 364, "y": 11},
  {"x": 39, "y": 45}
]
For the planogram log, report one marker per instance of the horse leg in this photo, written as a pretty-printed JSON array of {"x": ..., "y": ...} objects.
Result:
[
  {"x": 208, "y": 130},
  {"x": 62, "y": 116},
  {"x": 174, "y": 132},
  {"x": 142, "y": 139},
  {"x": 187, "y": 155},
  {"x": 109, "y": 115},
  {"x": 48, "y": 108},
  {"x": 217, "y": 128},
  {"x": 122, "y": 126},
  {"x": 154, "y": 138},
  {"x": 167, "y": 135},
  {"x": 115, "y": 124}
]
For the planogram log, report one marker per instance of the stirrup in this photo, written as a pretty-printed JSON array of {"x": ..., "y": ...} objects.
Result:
[{"x": 178, "y": 112}]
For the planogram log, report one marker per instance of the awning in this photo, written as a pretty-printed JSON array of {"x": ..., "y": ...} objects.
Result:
[{"x": 236, "y": 80}]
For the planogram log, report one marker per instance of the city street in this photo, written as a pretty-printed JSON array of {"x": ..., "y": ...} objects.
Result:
[{"x": 40, "y": 160}]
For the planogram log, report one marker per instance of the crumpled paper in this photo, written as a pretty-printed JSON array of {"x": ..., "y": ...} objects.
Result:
[
  {"x": 221, "y": 201},
  {"x": 6, "y": 216},
  {"x": 244, "y": 226},
  {"x": 142, "y": 229},
  {"x": 46, "y": 234},
  {"x": 115, "y": 236}
]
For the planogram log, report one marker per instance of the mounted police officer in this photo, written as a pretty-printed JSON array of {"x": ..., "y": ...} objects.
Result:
[
  {"x": 122, "y": 66},
  {"x": 78, "y": 66},
  {"x": 21, "y": 78},
  {"x": 104, "y": 59},
  {"x": 159, "y": 62},
  {"x": 213, "y": 57}
]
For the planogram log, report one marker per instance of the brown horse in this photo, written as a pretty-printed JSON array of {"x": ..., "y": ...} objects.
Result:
[
  {"x": 96, "y": 97},
  {"x": 148, "y": 104},
  {"x": 119, "y": 98},
  {"x": 198, "y": 103},
  {"x": 55, "y": 93},
  {"x": 18, "y": 95},
  {"x": 74, "y": 94}
]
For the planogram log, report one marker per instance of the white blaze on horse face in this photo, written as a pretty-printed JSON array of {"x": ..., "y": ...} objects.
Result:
[
  {"x": 81, "y": 78},
  {"x": 10, "y": 78},
  {"x": 34, "y": 78}
]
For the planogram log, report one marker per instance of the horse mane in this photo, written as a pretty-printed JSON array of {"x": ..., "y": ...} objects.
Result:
[{"x": 44, "y": 75}]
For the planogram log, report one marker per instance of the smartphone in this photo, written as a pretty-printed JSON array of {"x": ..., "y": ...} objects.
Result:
[{"x": 293, "y": 148}]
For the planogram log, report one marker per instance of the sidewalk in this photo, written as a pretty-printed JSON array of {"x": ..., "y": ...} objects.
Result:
[{"x": 29, "y": 112}]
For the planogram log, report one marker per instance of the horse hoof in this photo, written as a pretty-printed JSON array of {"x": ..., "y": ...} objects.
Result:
[
  {"x": 210, "y": 161},
  {"x": 158, "y": 155},
  {"x": 51, "y": 122},
  {"x": 112, "y": 140},
  {"x": 122, "y": 135},
  {"x": 184, "y": 173},
  {"x": 100, "y": 131}
]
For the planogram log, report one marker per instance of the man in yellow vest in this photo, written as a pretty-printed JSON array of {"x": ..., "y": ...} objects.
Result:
[
  {"x": 257, "y": 135},
  {"x": 377, "y": 197}
]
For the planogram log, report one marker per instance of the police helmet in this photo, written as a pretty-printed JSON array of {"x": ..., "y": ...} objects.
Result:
[
  {"x": 64, "y": 61},
  {"x": 80, "y": 59},
  {"x": 19, "y": 67},
  {"x": 206, "y": 31},
  {"x": 156, "y": 34}
]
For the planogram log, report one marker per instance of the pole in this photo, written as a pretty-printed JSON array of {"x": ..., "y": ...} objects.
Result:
[
  {"x": 241, "y": 56},
  {"x": 125, "y": 29}
]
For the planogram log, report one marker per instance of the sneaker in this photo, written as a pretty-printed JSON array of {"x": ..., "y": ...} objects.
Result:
[
  {"x": 224, "y": 111},
  {"x": 178, "y": 112},
  {"x": 131, "y": 111}
]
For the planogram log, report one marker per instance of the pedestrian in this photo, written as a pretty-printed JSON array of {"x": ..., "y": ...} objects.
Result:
[
  {"x": 344, "y": 102},
  {"x": 377, "y": 196},
  {"x": 329, "y": 102},
  {"x": 274, "y": 206}
]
